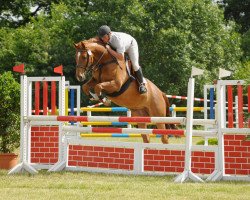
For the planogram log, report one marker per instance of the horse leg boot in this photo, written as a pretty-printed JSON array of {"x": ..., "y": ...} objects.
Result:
[{"x": 139, "y": 77}]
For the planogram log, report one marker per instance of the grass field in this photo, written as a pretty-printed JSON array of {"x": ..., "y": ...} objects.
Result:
[{"x": 69, "y": 185}]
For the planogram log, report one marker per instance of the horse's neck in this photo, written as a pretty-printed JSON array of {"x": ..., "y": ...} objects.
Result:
[
  {"x": 101, "y": 53},
  {"x": 103, "y": 56}
]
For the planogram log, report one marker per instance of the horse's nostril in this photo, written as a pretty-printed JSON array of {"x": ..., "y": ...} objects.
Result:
[{"x": 82, "y": 77}]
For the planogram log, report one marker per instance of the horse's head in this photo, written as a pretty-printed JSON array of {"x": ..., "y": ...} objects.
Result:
[
  {"x": 84, "y": 60},
  {"x": 87, "y": 56}
]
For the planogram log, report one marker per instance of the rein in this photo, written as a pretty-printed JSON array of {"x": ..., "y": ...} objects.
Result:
[
  {"x": 89, "y": 53},
  {"x": 96, "y": 65}
]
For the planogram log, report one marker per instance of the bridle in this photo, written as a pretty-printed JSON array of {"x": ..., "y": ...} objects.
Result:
[{"x": 89, "y": 56}]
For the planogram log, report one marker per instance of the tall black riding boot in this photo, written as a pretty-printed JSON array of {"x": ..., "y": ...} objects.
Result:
[{"x": 139, "y": 77}]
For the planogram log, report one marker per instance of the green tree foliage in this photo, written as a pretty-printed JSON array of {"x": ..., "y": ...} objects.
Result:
[
  {"x": 15, "y": 13},
  {"x": 173, "y": 36},
  {"x": 238, "y": 11},
  {"x": 246, "y": 45},
  {"x": 10, "y": 113}
]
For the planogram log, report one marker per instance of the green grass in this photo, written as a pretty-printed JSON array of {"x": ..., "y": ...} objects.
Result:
[{"x": 69, "y": 185}]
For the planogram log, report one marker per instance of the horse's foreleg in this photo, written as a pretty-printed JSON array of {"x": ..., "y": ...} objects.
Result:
[
  {"x": 109, "y": 87},
  {"x": 87, "y": 86}
]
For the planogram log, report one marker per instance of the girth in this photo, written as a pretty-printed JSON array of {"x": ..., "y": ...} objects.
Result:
[{"x": 123, "y": 88}]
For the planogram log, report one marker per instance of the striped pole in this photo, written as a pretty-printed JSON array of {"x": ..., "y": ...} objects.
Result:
[
  {"x": 105, "y": 109},
  {"x": 184, "y": 109},
  {"x": 155, "y": 120},
  {"x": 123, "y": 130},
  {"x": 106, "y": 123},
  {"x": 123, "y": 109},
  {"x": 116, "y": 135},
  {"x": 168, "y": 120},
  {"x": 183, "y": 97}
]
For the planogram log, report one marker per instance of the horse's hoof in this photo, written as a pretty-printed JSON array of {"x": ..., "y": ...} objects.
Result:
[{"x": 106, "y": 101}]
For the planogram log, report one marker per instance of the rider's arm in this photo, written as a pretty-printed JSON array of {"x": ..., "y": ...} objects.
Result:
[{"x": 118, "y": 56}]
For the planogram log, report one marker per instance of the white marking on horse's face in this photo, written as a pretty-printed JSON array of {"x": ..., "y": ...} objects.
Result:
[
  {"x": 89, "y": 52},
  {"x": 78, "y": 56}
]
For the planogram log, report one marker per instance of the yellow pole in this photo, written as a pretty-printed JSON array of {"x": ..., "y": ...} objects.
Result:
[{"x": 66, "y": 101}]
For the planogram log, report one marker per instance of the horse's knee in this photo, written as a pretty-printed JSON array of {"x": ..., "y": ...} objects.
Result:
[
  {"x": 98, "y": 89},
  {"x": 85, "y": 89}
]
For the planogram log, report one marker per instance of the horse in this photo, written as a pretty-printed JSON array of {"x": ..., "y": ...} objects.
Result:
[{"x": 110, "y": 77}]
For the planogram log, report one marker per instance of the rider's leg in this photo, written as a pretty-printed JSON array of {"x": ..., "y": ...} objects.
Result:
[
  {"x": 140, "y": 79},
  {"x": 134, "y": 57}
]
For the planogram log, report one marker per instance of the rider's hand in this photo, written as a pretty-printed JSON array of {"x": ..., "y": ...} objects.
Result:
[{"x": 107, "y": 47}]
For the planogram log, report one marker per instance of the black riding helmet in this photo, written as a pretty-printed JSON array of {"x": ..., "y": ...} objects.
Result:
[{"x": 103, "y": 30}]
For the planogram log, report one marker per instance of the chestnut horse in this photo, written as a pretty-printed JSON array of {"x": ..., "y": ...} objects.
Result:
[{"x": 112, "y": 78}]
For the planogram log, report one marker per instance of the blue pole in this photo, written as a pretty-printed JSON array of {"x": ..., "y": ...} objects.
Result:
[{"x": 212, "y": 103}]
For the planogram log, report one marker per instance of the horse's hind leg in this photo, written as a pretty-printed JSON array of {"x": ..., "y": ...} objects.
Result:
[
  {"x": 142, "y": 113},
  {"x": 158, "y": 109},
  {"x": 145, "y": 137},
  {"x": 164, "y": 138}
]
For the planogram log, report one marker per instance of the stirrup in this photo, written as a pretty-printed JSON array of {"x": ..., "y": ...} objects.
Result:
[{"x": 142, "y": 89}]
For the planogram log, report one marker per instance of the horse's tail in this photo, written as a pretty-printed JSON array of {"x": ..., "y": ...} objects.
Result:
[
  {"x": 168, "y": 126},
  {"x": 167, "y": 104}
]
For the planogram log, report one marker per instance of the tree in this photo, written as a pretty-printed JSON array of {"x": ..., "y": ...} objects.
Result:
[
  {"x": 17, "y": 13},
  {"x": 173, "y": 36},
  {"x": 238, "y": 11}
]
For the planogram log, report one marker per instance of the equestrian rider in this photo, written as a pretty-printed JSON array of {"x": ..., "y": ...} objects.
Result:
[{"x": 123, "y": 42}]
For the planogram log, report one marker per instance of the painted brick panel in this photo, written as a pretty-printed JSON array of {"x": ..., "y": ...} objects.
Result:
[
  {"x": 237, "y": 154},
  {"x": 102, "y": 157},
  {"x": 44, "y": 144},
  {"x": 44, "y": 150}
]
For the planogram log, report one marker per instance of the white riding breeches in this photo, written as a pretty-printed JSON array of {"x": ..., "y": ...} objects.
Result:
[{"x": 133, "y": 53}]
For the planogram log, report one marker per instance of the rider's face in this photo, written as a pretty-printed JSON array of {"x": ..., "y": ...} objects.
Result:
[{"x": 106, "y": 38}]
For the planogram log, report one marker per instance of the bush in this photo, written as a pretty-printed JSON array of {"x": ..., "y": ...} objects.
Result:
[
  {"x": 10, "y": 113},
  {"x": 211, "y": 141}
]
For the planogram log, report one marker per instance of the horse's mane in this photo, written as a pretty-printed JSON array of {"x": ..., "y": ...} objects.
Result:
[{"x": 96, "y": 40}]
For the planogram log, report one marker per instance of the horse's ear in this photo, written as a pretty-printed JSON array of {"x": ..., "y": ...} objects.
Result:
[
  {"x": 76, "y": 45},
  {"x": 79, "y": 45},
  {"x": 82, "y": 45}
]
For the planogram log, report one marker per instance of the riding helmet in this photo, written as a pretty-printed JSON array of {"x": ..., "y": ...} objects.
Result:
[{"x": 103, "y": 30}]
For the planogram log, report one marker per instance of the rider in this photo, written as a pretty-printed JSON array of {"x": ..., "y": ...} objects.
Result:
[{"x": 123, "y": 42}]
